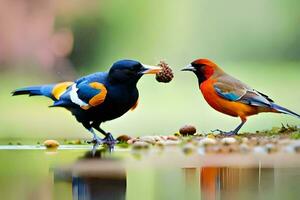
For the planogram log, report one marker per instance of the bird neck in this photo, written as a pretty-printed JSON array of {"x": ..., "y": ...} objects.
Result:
[
  {"x": 208, "y": 72},
  {"x": 130, "y": 83},
  {"x": 201, "y": 78}
]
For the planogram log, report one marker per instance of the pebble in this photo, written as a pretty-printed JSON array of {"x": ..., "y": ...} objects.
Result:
[
  {"x": 148, "y": 139},
  {"x": 140, "y": 145},
  {"x": 228, "y": 140},
  {"x": 131, "y": 141},
  {"x": 207, "y": 141},
  {"x": 172, "y": 137},
  {"x": 51, "y": 144},
  {"x": 171, "y": 143}
]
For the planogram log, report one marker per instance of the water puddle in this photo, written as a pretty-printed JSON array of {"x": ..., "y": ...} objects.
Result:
[{"x": 36, "y": 174}]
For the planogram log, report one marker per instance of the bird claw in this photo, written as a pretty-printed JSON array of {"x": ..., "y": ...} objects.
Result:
[
  {"x": 109, "y": 141},
  {"x": 96, "y": 141},
  {"x": 229, "y": 133}
]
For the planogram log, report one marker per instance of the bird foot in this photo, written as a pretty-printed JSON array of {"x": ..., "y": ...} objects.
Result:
[
  {"x": 96, "y": 141},
  {"x": 227, "y": 133},
  {"x": 110, "y": 141}
]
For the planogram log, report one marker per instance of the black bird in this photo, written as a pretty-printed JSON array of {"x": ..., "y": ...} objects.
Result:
[{"x": 98, "y": 97}]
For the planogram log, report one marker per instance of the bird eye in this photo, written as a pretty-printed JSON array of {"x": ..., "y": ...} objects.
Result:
[{"x": 136, "y": 67}]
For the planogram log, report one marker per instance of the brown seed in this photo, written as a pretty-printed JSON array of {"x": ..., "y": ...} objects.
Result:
[
  {"x": 187, "y": 130},
  {"x": 166, "y": 73},
  {"x": 123, "y": 138}
]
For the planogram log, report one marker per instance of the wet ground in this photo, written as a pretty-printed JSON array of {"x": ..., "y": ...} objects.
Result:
[{"x": 32, "y": 172}]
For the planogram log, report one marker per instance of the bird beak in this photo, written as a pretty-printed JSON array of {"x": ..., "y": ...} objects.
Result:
[
  {"x": 147, "y": 69},
  {"x": 189, "y": 68}
]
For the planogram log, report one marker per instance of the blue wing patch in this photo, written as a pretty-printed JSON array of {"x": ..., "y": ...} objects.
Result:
[
  {"x": 86, "y": 92},
  {"x": 227, "y": 95}
]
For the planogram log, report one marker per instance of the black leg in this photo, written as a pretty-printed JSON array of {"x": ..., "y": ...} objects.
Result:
[
  {"x": 234, "y": 132},
  {"x": 108, "y": 139},
  {"x": 96, "y": 141}
]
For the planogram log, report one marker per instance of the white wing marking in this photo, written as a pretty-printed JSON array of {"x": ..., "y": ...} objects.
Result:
[{"x": 74, "y": 96}]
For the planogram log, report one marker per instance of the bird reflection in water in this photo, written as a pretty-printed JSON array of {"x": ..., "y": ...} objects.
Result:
[{"x": 95, "y": 177}]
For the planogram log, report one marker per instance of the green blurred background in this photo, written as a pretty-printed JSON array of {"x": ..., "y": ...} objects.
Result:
[{"x": 48, "y": 41}]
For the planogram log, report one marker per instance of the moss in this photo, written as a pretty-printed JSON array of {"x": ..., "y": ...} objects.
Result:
[
  {"x": 122, "y": 145},
  {"x": 295, "y": 136},
  {"x": 283, "y": 130}
]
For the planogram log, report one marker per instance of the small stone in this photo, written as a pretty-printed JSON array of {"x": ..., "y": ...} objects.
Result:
[
  {"x": 159, "y": 138},
  {"x": 140, "y": 145},
  {"x": 207, "y": 141},
  {"x": 187, "y": 130},
  {"x": 228, "y": 140},
  {"x": 123, "y": 138},
  {"x": 188, "y": 148},
  {"x": 172, "y": 137},
  {"x": 164, "y": 138},
  {"x": 131, "y": 141},
  {"x": 148, "y": 139},
  {"x": 51, "y": 144},
  {"x": 171, "y": 143}
]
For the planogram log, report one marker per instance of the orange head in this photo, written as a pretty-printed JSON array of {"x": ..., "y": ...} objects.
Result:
[{"x": 203, "y": 68}]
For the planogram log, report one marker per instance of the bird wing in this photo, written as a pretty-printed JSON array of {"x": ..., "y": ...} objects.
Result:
[
  {"x": 86, "y": 92},
  {"x": 232, "y": 89}
]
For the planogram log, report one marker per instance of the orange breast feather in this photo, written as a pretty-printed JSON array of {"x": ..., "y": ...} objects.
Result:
[{"x": 232, "y": 108}]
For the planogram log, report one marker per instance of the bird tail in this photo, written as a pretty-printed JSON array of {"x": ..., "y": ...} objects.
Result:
[
  {"x": 284, "y": 110},
  {"x": 42, "y": 90}
]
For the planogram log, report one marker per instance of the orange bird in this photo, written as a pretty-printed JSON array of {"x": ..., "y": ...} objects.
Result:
[{"x": 230, "y": 96}]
